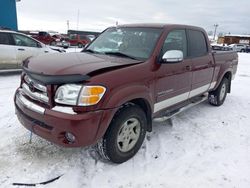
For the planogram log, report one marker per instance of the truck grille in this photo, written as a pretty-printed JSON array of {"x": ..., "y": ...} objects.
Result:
[{"x": 35, "y": 90}]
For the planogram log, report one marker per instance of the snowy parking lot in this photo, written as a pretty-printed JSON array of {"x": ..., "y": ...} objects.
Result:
[{"x": 205, "y": 147}]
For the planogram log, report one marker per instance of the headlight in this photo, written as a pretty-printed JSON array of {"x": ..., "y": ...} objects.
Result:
[
  {"x": 68, "y": 94},
  {"x": 73, "y": 94}
]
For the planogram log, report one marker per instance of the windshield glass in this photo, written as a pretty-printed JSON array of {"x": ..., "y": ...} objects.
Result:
[{"x": 137, "y": 43}]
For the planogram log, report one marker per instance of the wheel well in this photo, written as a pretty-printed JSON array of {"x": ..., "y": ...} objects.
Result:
[
  {"x": 146, "y": 108},
  {"x": 228, "y": 76}
]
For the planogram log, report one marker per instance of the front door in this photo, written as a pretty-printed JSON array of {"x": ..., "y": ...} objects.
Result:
[{"x": 173, "y": 80}]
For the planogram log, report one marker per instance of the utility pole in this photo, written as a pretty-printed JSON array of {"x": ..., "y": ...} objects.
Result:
[
  {"x": 215, "y": 29},
  {"x": 68, "y": 24}
]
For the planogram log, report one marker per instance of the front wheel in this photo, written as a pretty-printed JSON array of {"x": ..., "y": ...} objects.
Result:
[
  {"x": 125, "y": 134},
  {"x": 217, "y": 97}
]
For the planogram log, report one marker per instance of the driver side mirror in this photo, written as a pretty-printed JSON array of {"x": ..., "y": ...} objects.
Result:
[{"x": 172, "y": 56}]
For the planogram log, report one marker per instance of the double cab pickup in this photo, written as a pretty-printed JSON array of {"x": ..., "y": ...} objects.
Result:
[{"x": 109, "y": 94}]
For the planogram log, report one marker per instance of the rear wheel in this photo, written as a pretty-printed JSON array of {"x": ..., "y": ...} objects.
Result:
[
  {"x": 125, "y": 135},
  {"x": 217, "y": 97}
]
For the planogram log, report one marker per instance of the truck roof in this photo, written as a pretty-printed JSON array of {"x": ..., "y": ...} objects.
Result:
[{"x": 159, "y": 25}]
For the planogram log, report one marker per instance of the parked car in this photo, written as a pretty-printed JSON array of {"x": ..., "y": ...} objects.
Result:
[
  {"x": 247, "y": 49},
  {"x": 53, "y": 39},
  {"x": 217, "y": 47},
  {"x": 61, "y": 41},
  {"x": 78, "y": 40},
  {"x": 238, "y": 47},
  {"x": 16, "y": 47},
  {"x": 45, "y": 38},
  {"x": 109, "y": 94}
]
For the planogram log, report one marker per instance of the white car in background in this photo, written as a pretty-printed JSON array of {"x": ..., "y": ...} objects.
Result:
[
  {"x": 238, "y": 47},
  {"x": 16, "y": 47}
]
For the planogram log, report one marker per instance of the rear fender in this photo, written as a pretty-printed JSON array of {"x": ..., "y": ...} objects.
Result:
[{"x": 225, "y": 74}]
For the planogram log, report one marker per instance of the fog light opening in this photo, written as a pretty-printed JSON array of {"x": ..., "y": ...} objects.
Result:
[{"x": 70, "y": 137}]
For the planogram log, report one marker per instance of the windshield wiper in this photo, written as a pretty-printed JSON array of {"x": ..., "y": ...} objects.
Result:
[{"x": 120, "y": 54}]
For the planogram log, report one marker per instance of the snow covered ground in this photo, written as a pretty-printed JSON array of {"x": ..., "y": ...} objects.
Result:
[{"x": 206, "y": 147}]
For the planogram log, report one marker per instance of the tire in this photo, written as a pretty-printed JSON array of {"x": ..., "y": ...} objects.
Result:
[
  {"x": 124, "y": 136},
  {"x": 217, "y": 97},
  {"x": 80, "y": 45}
]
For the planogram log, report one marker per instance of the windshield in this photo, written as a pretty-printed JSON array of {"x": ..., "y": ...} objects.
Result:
[{"x": 136, "y": 43}]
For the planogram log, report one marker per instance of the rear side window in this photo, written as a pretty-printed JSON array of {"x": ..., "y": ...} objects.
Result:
[
  {"x": 4, "y": 39},
  {"x": 197, "y": 45}
]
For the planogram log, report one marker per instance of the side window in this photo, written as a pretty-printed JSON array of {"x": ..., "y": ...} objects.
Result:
[
  {"x": 4, "y": 39},
  {"x": 176, "y": 40},
  {"x": 197, "y": 44},
  {"x": 21, "y": 40}
]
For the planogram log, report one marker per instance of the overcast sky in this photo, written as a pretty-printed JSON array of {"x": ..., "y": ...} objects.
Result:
[{"x": 232, "y": 15}]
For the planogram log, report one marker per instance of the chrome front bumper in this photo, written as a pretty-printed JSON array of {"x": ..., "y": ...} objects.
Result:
[{"x": 22, "y": 101}]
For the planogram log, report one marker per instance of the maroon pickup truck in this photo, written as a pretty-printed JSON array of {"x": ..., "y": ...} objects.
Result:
[{"x": 109, "y": 93}]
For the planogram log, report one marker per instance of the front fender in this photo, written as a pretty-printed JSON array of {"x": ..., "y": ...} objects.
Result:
[
  {"x": 119, "y": 97},
  {"x": 123, "y": 95}
]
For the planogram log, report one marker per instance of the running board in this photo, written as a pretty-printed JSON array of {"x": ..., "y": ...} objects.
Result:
[{"x": 193, "y": 102}]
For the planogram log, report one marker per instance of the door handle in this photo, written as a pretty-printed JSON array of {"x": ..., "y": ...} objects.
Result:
[
  {"x": 21, "y": 49},
  {"x": 189, "y": 68}
]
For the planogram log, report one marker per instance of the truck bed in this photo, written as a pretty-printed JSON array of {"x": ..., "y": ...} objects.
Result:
[{"x": 225, "y": 56}]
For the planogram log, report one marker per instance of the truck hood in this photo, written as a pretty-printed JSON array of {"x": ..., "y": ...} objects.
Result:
[{"x": 74, "y": 63}]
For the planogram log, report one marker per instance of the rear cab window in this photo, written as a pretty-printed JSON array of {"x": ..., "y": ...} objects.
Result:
[{"x": 197, "y": 45}]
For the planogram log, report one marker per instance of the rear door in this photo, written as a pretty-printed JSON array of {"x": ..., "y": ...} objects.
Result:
[
  {"x": 25, "y": 47},
  {"x": 8, "y": 55},
  {"x": 173, "y": 80},
  {"x": 202, "y": 62}
]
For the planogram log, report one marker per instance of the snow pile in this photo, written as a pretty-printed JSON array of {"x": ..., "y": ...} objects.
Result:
[{"x": 206, "y": 147}]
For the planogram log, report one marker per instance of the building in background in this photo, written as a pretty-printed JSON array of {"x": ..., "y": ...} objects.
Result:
[
  {"x": 8, "y": 15},
  {"x": 234, "y": 39}
]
